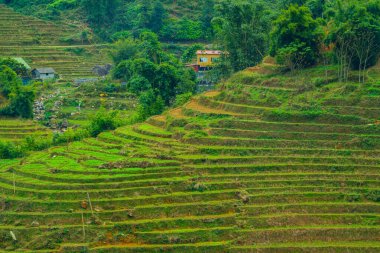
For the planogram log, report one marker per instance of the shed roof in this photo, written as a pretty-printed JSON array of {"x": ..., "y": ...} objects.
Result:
[
  {"x": 45, "y": 70},
  {"x": 209, "y": 52}
]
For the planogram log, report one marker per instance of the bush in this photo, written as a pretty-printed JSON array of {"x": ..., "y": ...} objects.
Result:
[
  {"x": 70, "y": 136},
  {"x": 138, "y": 84},
  {"x": 10, "y": 151},
  {"x": 150, "y": 104},
  {"x": 36, "y": 143},
  {"x": 296, "y": 56},
  {"x": 121, "y": 35},
  {"x": 182, "y": 99},
  {"x": 63, "y": 4},
  {"x": 103, "y": 121}
]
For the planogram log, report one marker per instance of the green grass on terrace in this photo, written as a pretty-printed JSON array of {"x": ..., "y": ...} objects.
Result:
[{"x": 270, "y": 162}]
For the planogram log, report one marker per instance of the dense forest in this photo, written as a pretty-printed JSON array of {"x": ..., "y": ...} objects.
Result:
[
  {"x": 297, "y": 33},
  {"x": 304, "y": 30}
]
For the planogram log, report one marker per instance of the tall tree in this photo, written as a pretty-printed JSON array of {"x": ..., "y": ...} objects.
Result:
[
  {"x": 100, "y": 12},
  {"x": 297, "y": 35},
  {"x": 355, "y": 33},
  {"x": 20, "y": 98},
  {"x": 206, "y": 19},
  {"x": 158, "y": 16},
  {"x": 242, "y": 31}
]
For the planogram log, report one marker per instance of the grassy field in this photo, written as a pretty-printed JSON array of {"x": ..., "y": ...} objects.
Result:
[
  {"x": 268, "y": 163},
  {"x": 16, "y": 130},
  {"x": 47, "y": 44}
]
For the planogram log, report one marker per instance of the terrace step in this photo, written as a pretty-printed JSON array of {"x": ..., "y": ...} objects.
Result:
[{"x": 298, "y": 247}]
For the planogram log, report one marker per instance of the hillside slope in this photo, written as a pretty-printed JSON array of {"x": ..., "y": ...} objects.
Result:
[
  {"x": 16, "y": 130},
  {"x": 235, "y": 170},
  {"x": 46, "y": 44}
]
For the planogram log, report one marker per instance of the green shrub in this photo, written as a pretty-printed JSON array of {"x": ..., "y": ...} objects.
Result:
[
  {"x": 150, "y": 103},
  {"x": 103, "y": 121},
  {"x": 182, "y": 99},
  {"x": 70, "y": 135},
  {"x": 34, "y": 142},
  {"x": 10, "y": 151},
  {"x": 63, "y": 4},
  {"x": 138, "y": 84}
]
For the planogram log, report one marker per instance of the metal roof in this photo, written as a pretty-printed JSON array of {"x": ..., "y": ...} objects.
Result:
[
  {"x": 45, "y": 70},
  {"x": 209, "y": 52}
]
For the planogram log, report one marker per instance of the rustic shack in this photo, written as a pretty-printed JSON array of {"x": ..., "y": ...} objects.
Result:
[{"x": 43, "y": 73}]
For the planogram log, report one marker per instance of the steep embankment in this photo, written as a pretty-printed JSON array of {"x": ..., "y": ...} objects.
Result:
[
  {"x": 46, "y": 44},
  {"x": 240, "y": 170}
]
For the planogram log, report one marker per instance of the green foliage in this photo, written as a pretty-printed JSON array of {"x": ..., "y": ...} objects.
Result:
[
  {"x": 295, "y": 56},
  {"x": 8, "y": 80},
  {"x": 17, "y": 67},
  {"x": 167, "y": 79},
  {"x": 21, "y": 102},
  {"x": 242, "y": 30},
  {"x": 64, "y": 4},
  {"x": 70, "y": 135},
  {"x": 9, "y": 150},
  {"x": 36, "y": 143},
  {"x": 222, "y": 70},
  {"x": 189, "y": 53},
  {"x": 208, "y": 13},
  {"x": 182, "y": 99},
  {"x": 20, "y": 98},
  {"x": 157, "y": 17},
  {"x": 150, "y": 104},
  {"x": 100, "y": 12},
  {"x": 355, "y": 31},
  {"x": 182, "y": 30},
  {"x": 110, "y": 19},
  {"x": 103, "y": 121},
  {"x": 151, "y": 72},
  {"x": 296, "y": 37},
  {"x": 147, "y": 47},
  {"x": 122, "y": 35},
  {"x": 138, "y": 84}
]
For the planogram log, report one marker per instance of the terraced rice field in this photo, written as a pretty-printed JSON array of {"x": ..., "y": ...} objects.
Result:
[
  {"x": 42, "y": 44},
  {"x": 15, "y": 130},
  {"x": 212, "y": 176}
]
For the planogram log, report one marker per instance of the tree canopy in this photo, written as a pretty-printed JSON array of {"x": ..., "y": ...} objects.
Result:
[{"x": 20, "y": 98}]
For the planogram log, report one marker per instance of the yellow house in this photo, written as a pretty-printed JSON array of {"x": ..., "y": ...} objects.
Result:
[{"x": 207, "y": 58}]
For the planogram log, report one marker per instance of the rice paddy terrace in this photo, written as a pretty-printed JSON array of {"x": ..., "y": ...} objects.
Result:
[
  {"x": 230, "y": 171},
  {"x": 47, "y": 44},
  {"x": 16, "y": 130}
]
